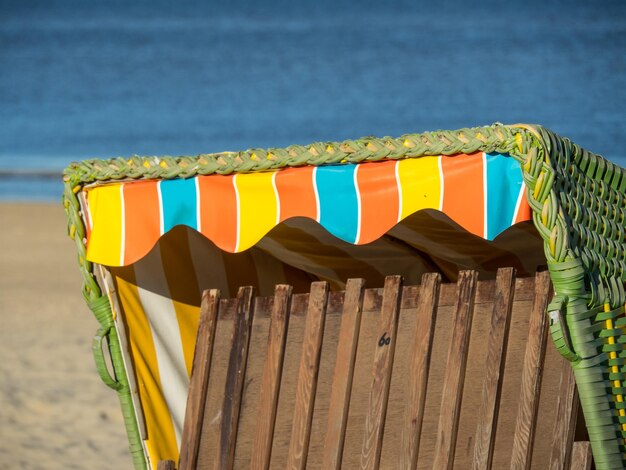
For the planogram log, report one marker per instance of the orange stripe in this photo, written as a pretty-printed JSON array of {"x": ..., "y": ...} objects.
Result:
[
  {"x": 141, "y": 219},
  {"x": 296, "y": 193},
  {"x": 378, "y": 191},
  {"x": 463, "y": 191},
  {"x": 218, "y": 210},
  {"x": 523, "y": 212}
]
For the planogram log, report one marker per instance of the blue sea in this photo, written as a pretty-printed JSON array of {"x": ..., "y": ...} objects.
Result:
[{"x": 85, "y": 79}]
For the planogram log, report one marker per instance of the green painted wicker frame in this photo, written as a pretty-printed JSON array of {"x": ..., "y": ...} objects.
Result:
[{"x": 578, "y": 201}]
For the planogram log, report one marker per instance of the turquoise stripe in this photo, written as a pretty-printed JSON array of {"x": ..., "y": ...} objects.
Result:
[
  {"x": 179, "y": 203},
  {"x": 338, "y": 200},
  {"x": 504, "y": 181}
]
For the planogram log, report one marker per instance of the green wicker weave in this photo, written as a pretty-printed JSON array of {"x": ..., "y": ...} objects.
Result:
[{"x": 578, "y": 201}]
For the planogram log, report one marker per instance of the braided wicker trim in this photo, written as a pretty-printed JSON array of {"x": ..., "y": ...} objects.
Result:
[
  {"x": 578, "y": 201},
  {"x": 489, "y": 139}
]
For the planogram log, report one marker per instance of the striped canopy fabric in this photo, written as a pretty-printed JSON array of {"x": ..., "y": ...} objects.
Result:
[
  {"x": 165, "y": 241},
  {"x": 357, "y": 203}
]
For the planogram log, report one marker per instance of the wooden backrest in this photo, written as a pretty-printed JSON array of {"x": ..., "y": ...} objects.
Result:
[{"x": 429, "y": 376}]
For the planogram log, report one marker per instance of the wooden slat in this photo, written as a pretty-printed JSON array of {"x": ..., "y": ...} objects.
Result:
[
  {"x": 166, "y": 465},
  {"x": 235, "y": 378},
  {"x": 342, "y": 377},
  {"x": 418, "y": 370},
  {"x": 454, "y": 375},
  {"x": 383, "y": 363},
  {"x": 270, "y": 386},
  {"x": 307, "y": 376},
  {"x": 581, "y": 456},
  {"x": 531, "y": 375},
  {"x": 200, "y": 371},
  {"x": 496, "y": 357},
  {"x": 566, "y": 415}
]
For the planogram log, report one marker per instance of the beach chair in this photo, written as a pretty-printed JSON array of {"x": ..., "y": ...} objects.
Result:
[
  {"x": 153, "y": 233},
  {"x": 413, "y": 377}
]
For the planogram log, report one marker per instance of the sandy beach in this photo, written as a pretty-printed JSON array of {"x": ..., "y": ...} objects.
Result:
[{"x": 54, "y": 410}]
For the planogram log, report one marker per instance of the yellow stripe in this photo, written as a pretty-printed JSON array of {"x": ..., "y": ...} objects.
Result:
[
  {"x": 419, "y": 179},
  {"x": 161, "y": 439},
  {"x": 614, "y": 369},
  {"x": 188, "y": 317},
  {"x": 257, "y": 207},
  {"x": 105, "y": 242}
]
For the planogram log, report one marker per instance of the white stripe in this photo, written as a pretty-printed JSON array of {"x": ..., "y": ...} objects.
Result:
[
  {"x": 198, "y": 221},
  {"x": 238, "y": 214},
  {"x": 168, "y": 346},
  {"x": 441, "y": 182},
  {"x": 84, "y": 205},
  {"x": 317, "y": 196},
  {"x": 123, "y": 225},
  {"x": 520, "y": 197},
  {"x": 358, "y": 205},
  {"x": 276, "y": 196},
  {"x": 161, "y": 224},
  {"x": 485, "y": 195},
  {"x": 399, "y": 186}
]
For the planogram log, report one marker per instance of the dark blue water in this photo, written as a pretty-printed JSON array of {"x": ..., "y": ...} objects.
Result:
[{"x": 101, "y": 79}]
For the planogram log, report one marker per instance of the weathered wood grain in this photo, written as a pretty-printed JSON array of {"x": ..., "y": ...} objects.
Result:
[
  {"x": 581, "y": 456},
  {"x": 200, "y": 371},
  {"x": 496, "y": 357},
  {"x": 565, "y": 423},
  {"x": 383, "y": 365},
  {"x": 343, "y": 336},
  {"x": 485, "y": 294},
  {"x": 426, "y": 312},
  {"x": 166, "y": 465},
  {"x": 307, "y": 376},
  {"x": 270, "y": 386},
  {"x": 454, "y": 375},
  {"x": 235, "y": 378},
  {"x": 342, "y": 377},
  {"x": 372, "y": 300},
  {"x": 531, "y": 375}
]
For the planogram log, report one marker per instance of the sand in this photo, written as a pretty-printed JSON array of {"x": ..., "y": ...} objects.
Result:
[{"x": 54, "y": 410}]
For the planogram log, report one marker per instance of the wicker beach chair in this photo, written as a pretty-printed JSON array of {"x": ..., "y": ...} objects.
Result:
[{"x": 153, "y": 233}]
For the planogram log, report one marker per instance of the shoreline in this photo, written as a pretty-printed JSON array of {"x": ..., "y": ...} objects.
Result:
[{"x": 30, "y": 173}]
